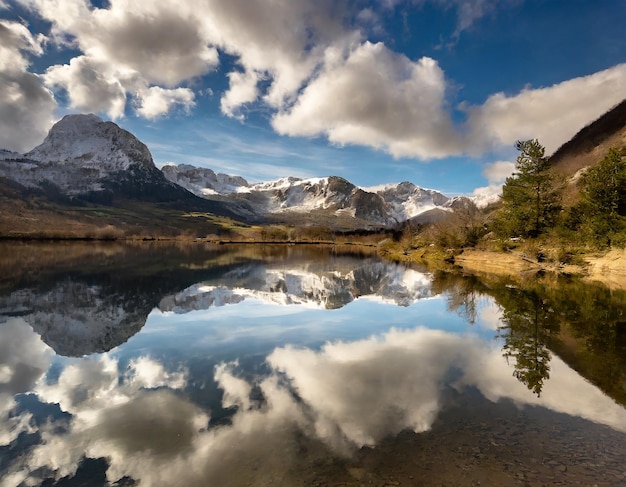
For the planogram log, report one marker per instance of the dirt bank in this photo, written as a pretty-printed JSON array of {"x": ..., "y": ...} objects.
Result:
[{"x": 608, "y": 268}]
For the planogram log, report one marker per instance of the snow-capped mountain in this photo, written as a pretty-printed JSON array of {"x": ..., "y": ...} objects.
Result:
[
  {"x": 76, "y": 318},
  {"x": 406, "y": 200},
  {"x": 86, "y": 158},
  {"x": 203, "y": 181},
  {"x": 83, "y": 154},
  {"x": 383, "y": 205}
]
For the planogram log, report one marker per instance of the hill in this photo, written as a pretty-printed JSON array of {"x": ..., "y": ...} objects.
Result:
[{"x": 591, "y": 143}]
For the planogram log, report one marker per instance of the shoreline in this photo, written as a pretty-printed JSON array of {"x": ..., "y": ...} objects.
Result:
[{"x": 608, "y": 267}]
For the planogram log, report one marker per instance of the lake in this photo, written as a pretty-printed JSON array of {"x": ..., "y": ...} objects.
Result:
[{"x": 153, "y": 364}]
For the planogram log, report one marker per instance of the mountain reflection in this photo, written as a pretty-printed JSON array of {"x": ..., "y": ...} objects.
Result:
[
  {"x": 221, "y": 397},
  {"x": 305, "y": 283},
  {"x": 94, "y": 311}
]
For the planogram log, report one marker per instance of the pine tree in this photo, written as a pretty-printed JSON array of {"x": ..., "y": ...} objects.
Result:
[
  {"x": 604, "y": 196},
  {"x": 531, "y": 197}
]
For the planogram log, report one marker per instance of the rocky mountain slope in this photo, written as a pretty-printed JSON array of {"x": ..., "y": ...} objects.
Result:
[
  {"x": 591, "y": 144},
  {"x": 87, "y": 161},
  {"x": 289, "y": 198},
  {"x": 588, "y": 147},
  {"x": 84, "y": 159}
]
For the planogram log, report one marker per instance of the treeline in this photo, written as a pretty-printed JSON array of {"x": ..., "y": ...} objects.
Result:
[
  {"x": 532, "y": 200},
  {"x": 532, "y": 210}
]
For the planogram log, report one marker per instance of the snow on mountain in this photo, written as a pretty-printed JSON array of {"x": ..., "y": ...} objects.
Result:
[
  {"x": 203, "y": 181},
  {"x": 78, "y": 155},
  {"x": 381, "y": 205},
  {"x": 87, "y": 140},
  {"x": 75, "y": 318},
  {"x": 85, "y": 156},
  {"x": 406, "y": 200}
]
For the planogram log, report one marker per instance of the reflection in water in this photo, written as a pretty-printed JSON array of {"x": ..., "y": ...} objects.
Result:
[
  {"x": 311, "y": 409},
  {"x": 342, "y": 397},
  {"x": 527, "y": 323},
  {"x": 583, "y": 323},
  {"x": 107, "y": 308}
]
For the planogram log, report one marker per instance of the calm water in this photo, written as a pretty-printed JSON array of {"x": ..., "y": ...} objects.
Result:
[{"x": 217, "y": 366}]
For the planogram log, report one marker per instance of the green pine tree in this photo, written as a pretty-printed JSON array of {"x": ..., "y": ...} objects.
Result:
[
  {"x": 604, "y": 197},
  {"x": 531, "y": 197}
]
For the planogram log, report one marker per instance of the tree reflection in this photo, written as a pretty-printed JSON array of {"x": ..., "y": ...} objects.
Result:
[
  {"x": 528, "y": 323},
  {"x": 581, "y": 322}
]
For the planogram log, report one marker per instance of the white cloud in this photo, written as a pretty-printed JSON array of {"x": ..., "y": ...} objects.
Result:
[
  {"x": 155, "y": 101},
  {"x": 376, "y": 98},
  {"x": 307, "y": 61},
  {"x": 24, "y": 359},
  {"x": 167, "y": 43},
  {"x": 92, "y": 86},
  {"x": 552, "y": 114},
  {"x": 26, "y": 106},
  {"x": 496, "y": 173},
  {"x": 243, "y": 89}
]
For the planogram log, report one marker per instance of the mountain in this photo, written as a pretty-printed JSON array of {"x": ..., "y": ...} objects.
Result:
[
  {"x": 591, "y": 144},
  {"x": 203, "y": 181},
  {"x": 85, "y": 162},
  {"x": 588, "y": 147},
  {"x": 316, "y": 200},
  {"x": 90, "y": 300},
  {"x": 84, "y": 159}
]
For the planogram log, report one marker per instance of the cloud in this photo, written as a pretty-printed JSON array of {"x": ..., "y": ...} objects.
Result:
[
  {"x": 282, "y": 40},
  {"x": 376, "y": 98},
  {"x": 155, "y": 101},
  {"x": 91, "y": 85},
  {"x": 26, "y": 106},
  {"x": 164, "y": 41},
  {"x": 24, "y": 359},
  {"x": 243, "y": 89},
  {"x": 552, "y": 114},
  {"x": 496, "y": 173},
  {"x": 309, "y": 63}
]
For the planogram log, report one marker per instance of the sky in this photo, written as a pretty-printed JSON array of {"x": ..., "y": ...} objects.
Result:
[{"x": 435, "y": 92}]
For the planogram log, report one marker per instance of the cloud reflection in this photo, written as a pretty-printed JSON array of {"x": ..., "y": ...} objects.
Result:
[
  {"x": 24, "y": 359},
  {"x": 344, "y": 396}
]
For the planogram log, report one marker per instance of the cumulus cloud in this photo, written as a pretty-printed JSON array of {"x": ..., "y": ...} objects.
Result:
[
  {"x": 91, "y": 86},
  {"x": 156, "y": 101},
  {"x": 24, "y": 359},
  {"x": 376, "y": 98},
  {"x": 284, "y": 40},
  {"x": 552, "y": 114},
  {"x": 496, "y": 174},
  {"x": 26, "y": 106},
  {"x": 308, "y": 62},
  {"x": 243, "y": 89}
]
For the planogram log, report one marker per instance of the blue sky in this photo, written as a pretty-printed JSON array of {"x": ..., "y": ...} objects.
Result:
[{"x": 431, "y": 91}]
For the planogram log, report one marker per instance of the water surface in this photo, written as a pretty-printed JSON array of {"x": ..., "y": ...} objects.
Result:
[{"x": 278, "y": 365}]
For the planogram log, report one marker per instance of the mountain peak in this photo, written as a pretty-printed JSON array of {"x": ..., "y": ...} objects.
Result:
[{"x": 88, "y": 140}]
